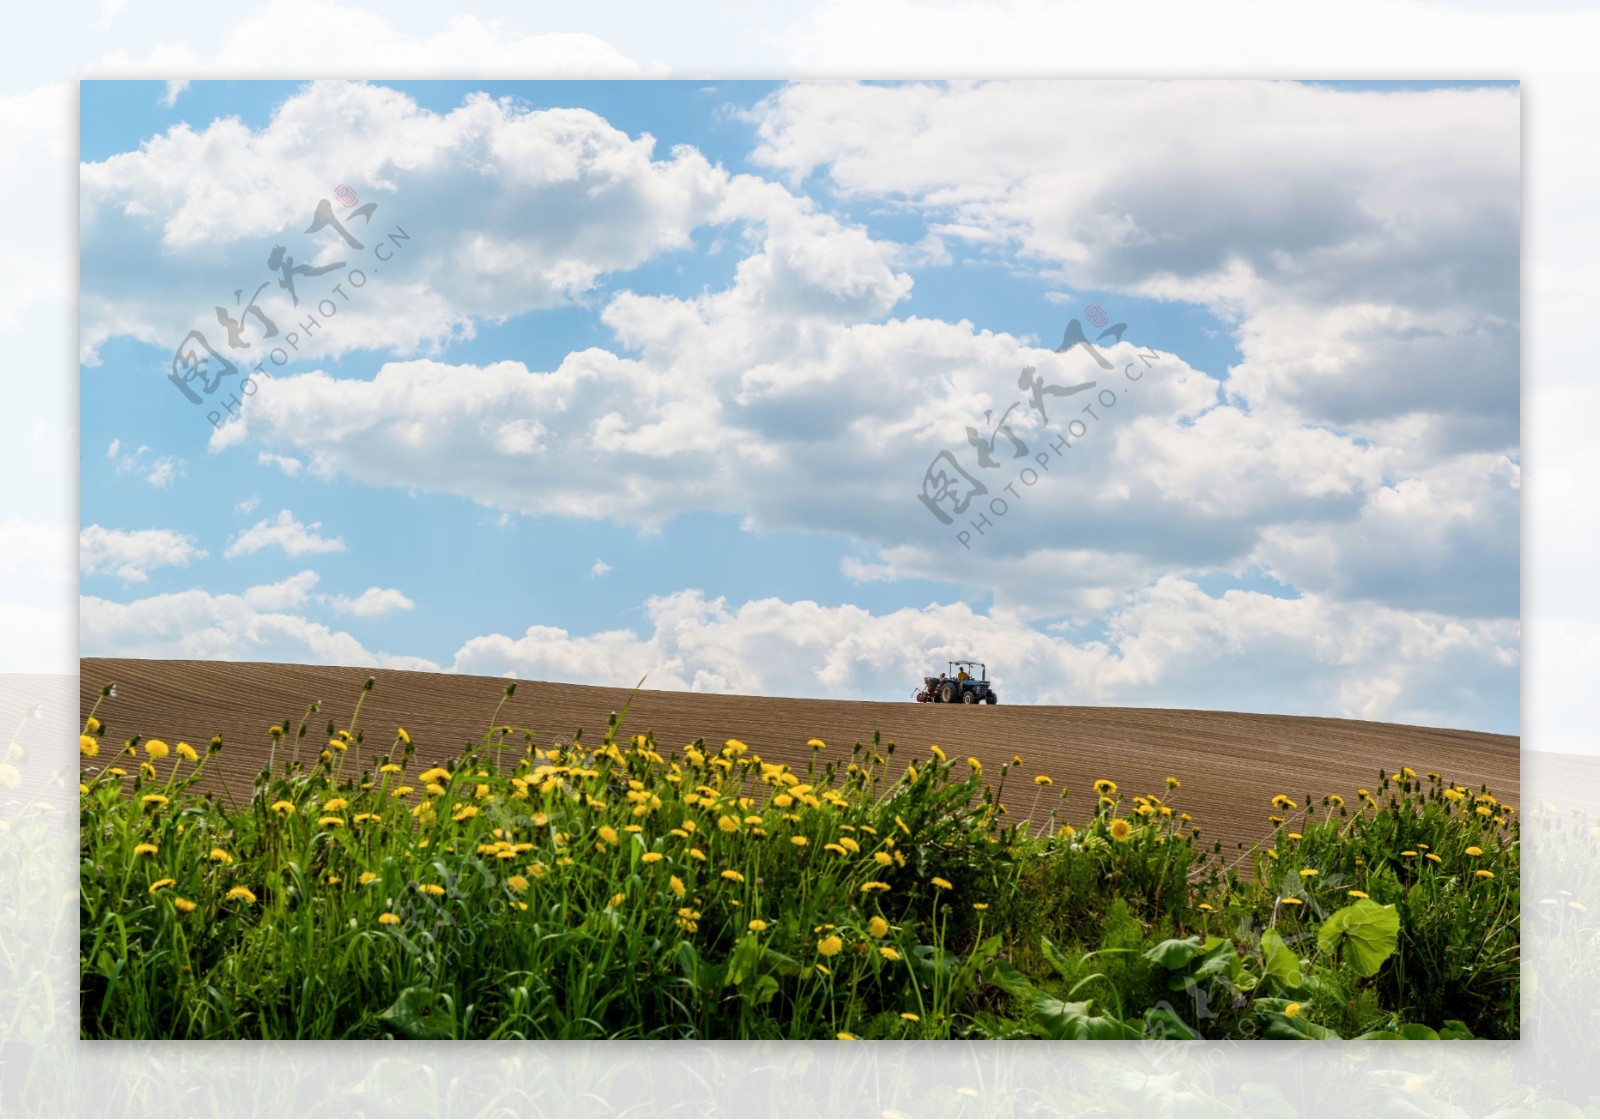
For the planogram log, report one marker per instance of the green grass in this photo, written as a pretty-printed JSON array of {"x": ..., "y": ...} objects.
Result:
[{"x": 623, "y": 890}]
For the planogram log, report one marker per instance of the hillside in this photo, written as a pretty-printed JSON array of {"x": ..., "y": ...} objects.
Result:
[{"x": 1231, "y": 764}]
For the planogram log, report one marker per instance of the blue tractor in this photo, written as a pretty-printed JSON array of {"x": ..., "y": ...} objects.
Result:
[{"x": 960, "y": 685}]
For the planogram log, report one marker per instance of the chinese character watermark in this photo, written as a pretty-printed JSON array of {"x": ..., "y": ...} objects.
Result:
[
  {"x": 949, "y": 490},
  {"x": 200, "y": 371}
]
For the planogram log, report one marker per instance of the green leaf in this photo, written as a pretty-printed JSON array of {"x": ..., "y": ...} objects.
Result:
[
  {"x": 1174, "y": 954},
  {"x": 1005, "y": 976},
  {"x": 1163, "y": 1022},
  {"x": 418, "y": 1014},
  {"x": 1058, "y": 1019},
  {"x": 1057, "y": 961},
  {"x": 1282, "y": 966},
  {"x": 1366, "y": 932}
]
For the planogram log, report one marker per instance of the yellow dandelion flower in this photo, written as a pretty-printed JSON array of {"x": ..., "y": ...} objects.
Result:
[
  {"x": 676, "y": 884},
  {"x": 217, "y": 855},
  {"x": 182, "y": 905},
  {"x": 330, "y": 822},
  {"x": 1408, "y": 772},
  {"x": 608, "y": 834},
  {"x": 241, "y": 894},
  {"x": 844, "y": 1036},
  {"x": 1435, "y": 858},
  {"x": 733, "y": 876},
  {"x": 145, "y": 849},
  {"x": 977, "y": 767},
  {"x": 980, "y": 906},
  {"x": 431, "y": 888},
  {"x": 651, "y": 857},
  {"x": 1484, "y": 873},
  {"x": 829, "y": 946},
  {"x": 1173, "y": 783},
  {"x": 464, "y": 812},
  {"x": 1291, "y": 1011},
  {"x": 366, "y": 877},
  {"x": 942, "y": 884},
  {"x": 1408, "y": 852},
  {"x": 1043, "y": 780},
  {"x": 1207, "y": 907},
  {"x": 799, "y": 841},
  {"x": 1358, "y": 894},
  {"x": 756, "y": 925},
  {"x": 187, "y": 753},
  {"x": 816, "y": 744},
  {"x": 617, "y": 900},
  {"x": 389, "y": 919},
  {"x": 937, "y": 753},
  {"x": 1474, "y": 851},
  {"x": 1308, "y": 872},
  {"x": 911, "y": 1016},
  {"x": 404, "y": 736},
  {"x": 889, "y": 952},
  {"x": 87, "y": 746},
  {"x": 902, "y": 826},
  {"x": 155, "y": 748},
  {"x": 335, "y": 804},
  {"x": 153, "y": 799},
  {"x": 1121, "y": 829},
  {"x": 874, "y": 885},
  {"x": 884, "y": 859},
  {"x": 159, "y": 884},
  {"x": 1292, "y": 902},
  {"x": 878, "y": 927},
  {"x": 727, "y": 823},
  {"x": 1105, "y": 787}
]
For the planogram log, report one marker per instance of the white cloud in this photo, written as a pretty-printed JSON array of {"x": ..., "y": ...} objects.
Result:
[
  {"x": 559, "y": 198},
  {"x": 282, "y": 532},
  {"x": 600, "y": 568},
  {"x": 1173, "y": 646},
  {"x": 256, "y": 625},
  {"x": 303, "y": 39},
  {"x": 175, "y": 87},
  {"x": 248, "y": 505},
  {"x": 1365, "y": 245},
  {"x": 160, "y": 471},
  {"x": 130, "y": 555},
  {"x": 285, "y": 463},
  {"x": 371, "y": 603}
]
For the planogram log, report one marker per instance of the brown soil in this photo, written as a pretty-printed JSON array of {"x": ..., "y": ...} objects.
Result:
[{"x": 1231, "y": 764}]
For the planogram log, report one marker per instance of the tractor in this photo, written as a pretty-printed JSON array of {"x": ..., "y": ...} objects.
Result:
[{"x": 960, "y": 685}]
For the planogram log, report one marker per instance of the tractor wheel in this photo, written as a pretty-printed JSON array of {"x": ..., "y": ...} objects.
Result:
[
  {"x": 948, "y": 692},
  {"x": 991, "y": 699},
  {"x": 970, "y": 696}
]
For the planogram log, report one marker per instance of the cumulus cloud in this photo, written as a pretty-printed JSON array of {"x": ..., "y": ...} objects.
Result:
[
  {"x": 371, "y": 603},
  {"x": 130, "y": 555},
  {"x": 1365, "y": 246},
  {"x": 282, "y": 532},
  {"x": 258, "y": 624},
  {"x": 558, "y": 199},
  {"x": 599, "y": 569},
  {"x": 160, "y": 471},
  {"x": 1173, "y": 646}
]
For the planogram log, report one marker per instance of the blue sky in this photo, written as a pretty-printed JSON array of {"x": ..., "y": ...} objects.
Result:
[{"x": 733, "y": 354}]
